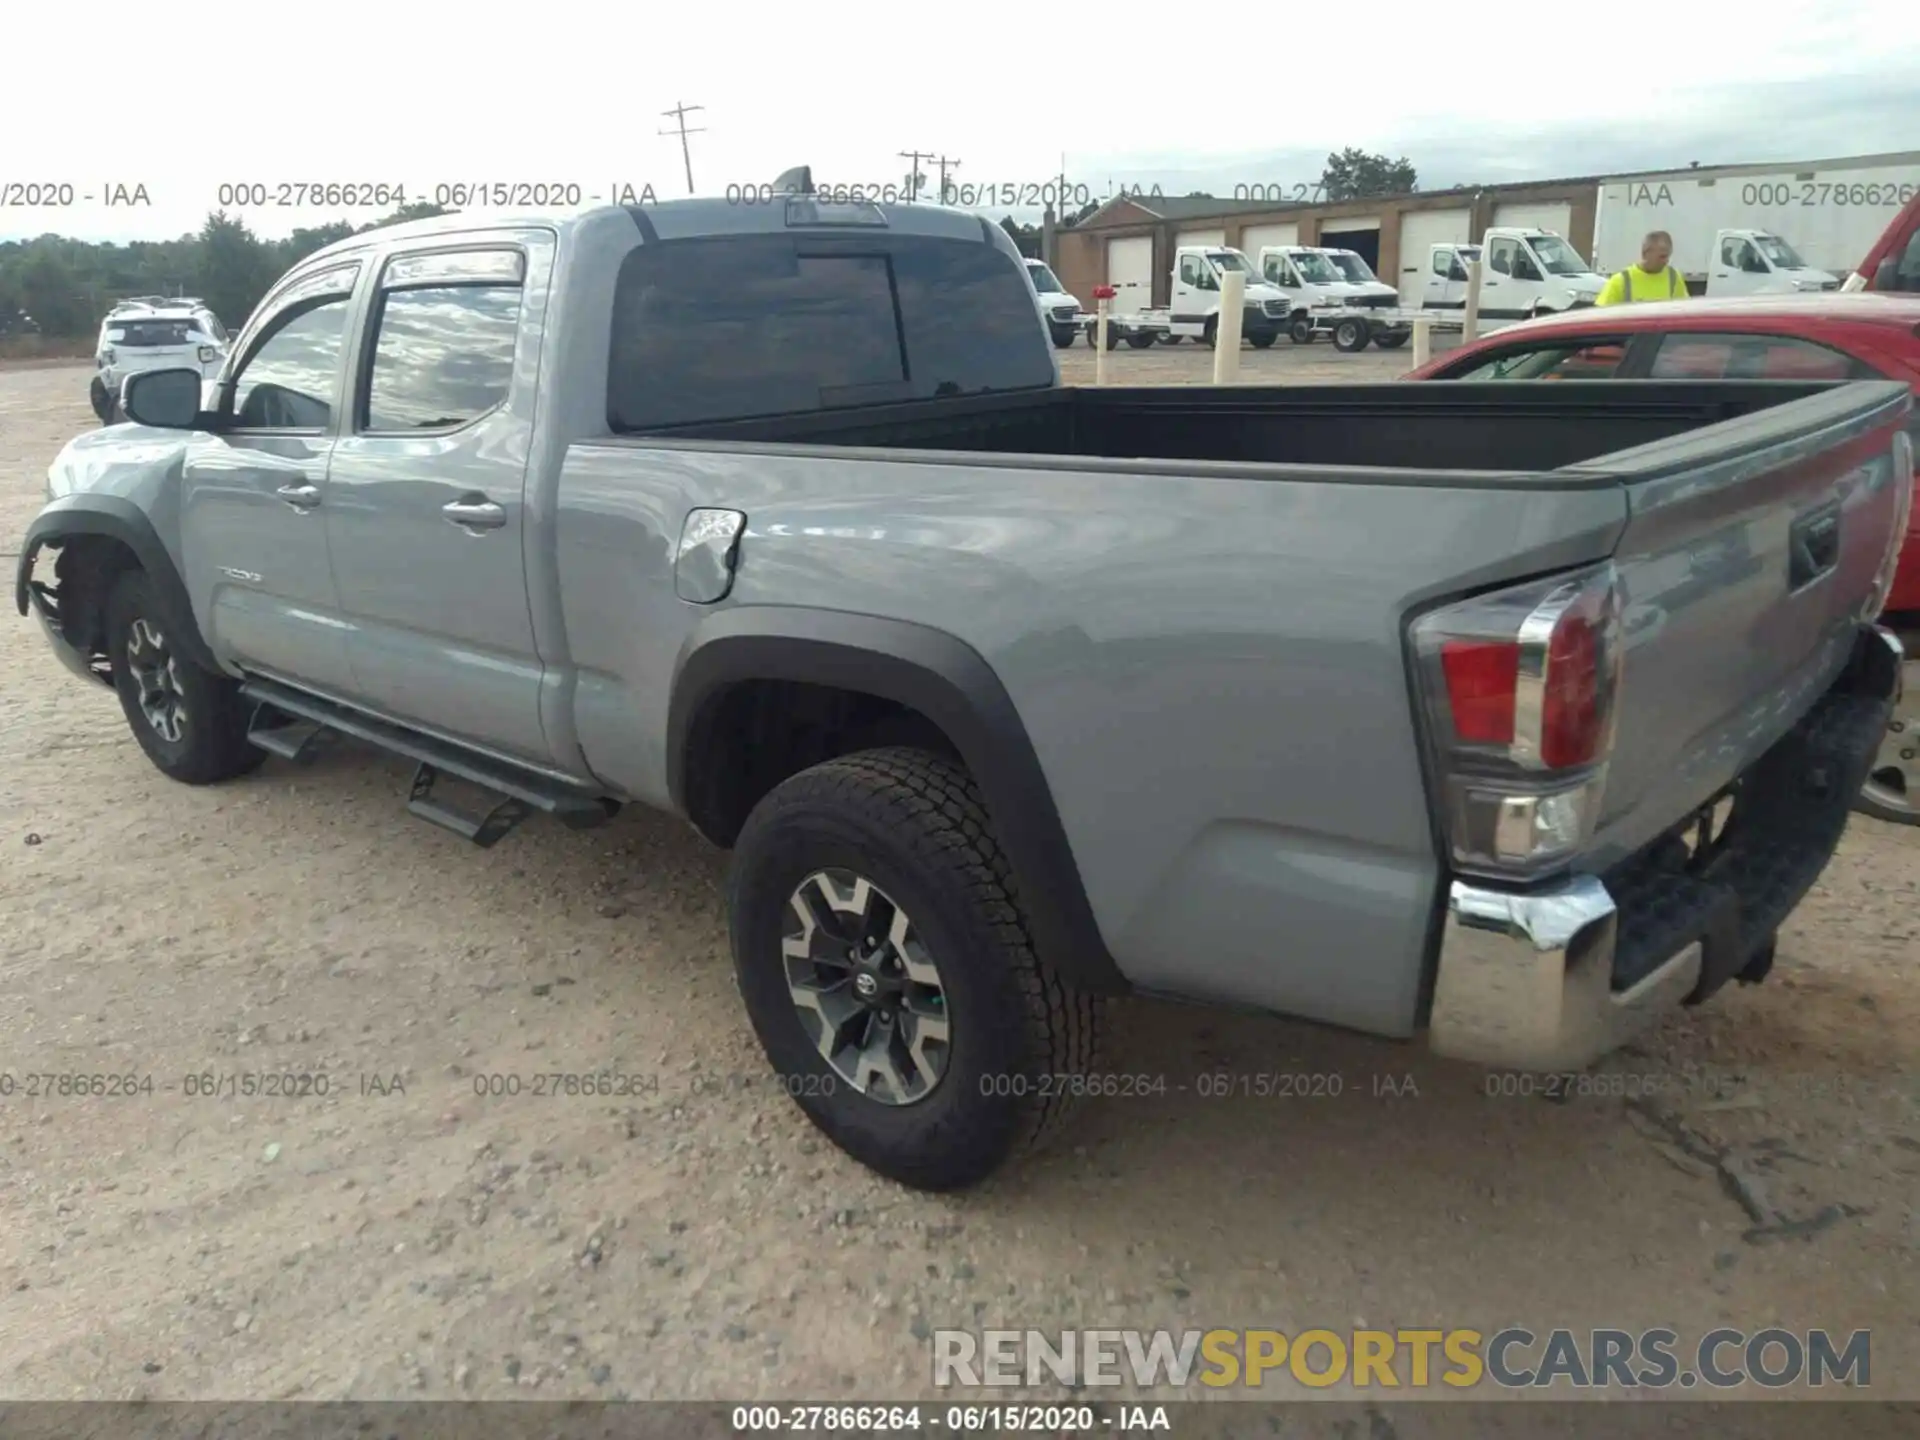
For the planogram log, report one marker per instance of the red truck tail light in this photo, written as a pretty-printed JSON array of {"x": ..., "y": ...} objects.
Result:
[{"x": 1520, "y": 688}]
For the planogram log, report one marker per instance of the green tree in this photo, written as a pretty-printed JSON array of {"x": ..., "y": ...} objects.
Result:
[
  {"x": 1354, "y": 174},
  {"x": 235, "y": 268},
  {"x": 1025, "y": 237}
]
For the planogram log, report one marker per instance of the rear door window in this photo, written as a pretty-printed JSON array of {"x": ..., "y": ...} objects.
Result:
[
  {"x": 1751, "y": 357},
  {"x": 721, "y": 329}
]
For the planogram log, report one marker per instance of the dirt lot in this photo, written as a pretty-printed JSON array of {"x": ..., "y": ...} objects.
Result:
[{"x": 401, "y": 1236}]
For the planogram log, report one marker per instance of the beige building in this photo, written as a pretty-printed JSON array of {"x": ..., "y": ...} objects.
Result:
[{"x": 1130, "y": 243}]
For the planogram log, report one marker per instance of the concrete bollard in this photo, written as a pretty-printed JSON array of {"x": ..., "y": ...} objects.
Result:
[
  {"x": 1100, "y": 342},
  {"x": 1422, "y": 341},
  {"x": 1227, "y": 327},
  {"x": 1470, "y": 321}
]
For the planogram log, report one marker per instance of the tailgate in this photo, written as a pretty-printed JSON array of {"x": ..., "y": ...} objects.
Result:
[{"x": 1752, "y": 551}]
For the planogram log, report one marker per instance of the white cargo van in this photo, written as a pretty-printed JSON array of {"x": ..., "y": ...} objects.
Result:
[
  {"x": 1526, "y": 272},
  {"x": 1758, "y": 262},
  {"x": 1057, "y": 307}
]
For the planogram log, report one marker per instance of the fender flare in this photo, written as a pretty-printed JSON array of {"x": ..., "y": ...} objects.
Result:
[
  {"x": 115, "y": 518},
  {"x": 951, "y": 684}
]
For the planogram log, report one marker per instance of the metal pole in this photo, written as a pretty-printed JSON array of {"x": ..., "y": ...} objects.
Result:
[
  {"x": 1227, "y": 327},
  {"x": 1100, "y": 342},
  {"x": 1422, "y": 341},
  {"x": 1470, "y": 321}
]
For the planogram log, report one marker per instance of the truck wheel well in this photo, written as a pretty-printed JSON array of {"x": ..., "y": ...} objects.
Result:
[
  {"x": 756, "y": 733},
  {"x": 84, "y": 571}
]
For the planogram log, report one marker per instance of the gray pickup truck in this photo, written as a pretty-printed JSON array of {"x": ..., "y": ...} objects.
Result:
[{"x": 1508, "y": 716}]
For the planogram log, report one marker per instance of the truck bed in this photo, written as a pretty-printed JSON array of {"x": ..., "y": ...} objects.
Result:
[{"x": 1496, "y": 427}]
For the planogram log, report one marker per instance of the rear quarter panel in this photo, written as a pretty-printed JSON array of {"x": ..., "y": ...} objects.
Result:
[{"x": 1211, "y": 669}]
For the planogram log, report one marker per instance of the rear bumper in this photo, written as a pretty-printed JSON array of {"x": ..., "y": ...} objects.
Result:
[{"x": 1552, "y": 978}]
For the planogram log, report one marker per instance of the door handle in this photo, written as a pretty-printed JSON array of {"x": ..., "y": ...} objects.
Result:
[
  {"x": 301, "y": 496},
  {"x": 474, "y": 512}
]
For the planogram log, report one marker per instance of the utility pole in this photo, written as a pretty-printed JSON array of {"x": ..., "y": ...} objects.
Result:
[
  {"x": 913, "y": 177},
  {"x": 679, "y": 114},
  {"x": 945, "y": 165}
]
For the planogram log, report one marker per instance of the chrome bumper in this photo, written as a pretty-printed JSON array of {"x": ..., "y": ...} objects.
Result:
[{"x": 1527, "y": 980}]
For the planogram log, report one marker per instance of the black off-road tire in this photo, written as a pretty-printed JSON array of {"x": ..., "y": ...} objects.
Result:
[
  {"x": 1142, "y": 339},
  {"x": 212, "y": 742},
  {"x": 1263, "y": 341},
  {"x": 1064, "y": 336},
  {"x": 913, "y": 824},
  {"x": 103, "y": 404},
  {"x": 1392, "y": 339}
]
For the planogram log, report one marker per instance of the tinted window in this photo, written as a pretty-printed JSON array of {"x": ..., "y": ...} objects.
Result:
[
  {"x": 143, "y": 334},
  {"x": 1500, "y": 257},
  {"x": 288, "y": 382},
  {"x": 1906, "y": 274},
  {"x": 1749, "y": 357},
  {"x": 1569, "y": 360},
  {"x": 443, "y": 355},
  {"x": 726, "y": 329}
]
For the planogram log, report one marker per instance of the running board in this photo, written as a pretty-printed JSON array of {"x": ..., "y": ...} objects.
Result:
[{"x": 290, "y": 723}]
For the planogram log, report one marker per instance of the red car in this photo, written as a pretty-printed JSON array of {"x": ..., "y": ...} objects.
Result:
[{"x": 1831, "y": 336}]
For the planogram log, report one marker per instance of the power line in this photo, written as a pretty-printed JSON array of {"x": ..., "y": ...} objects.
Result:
[
  {"x": 913, "y": 178},
  {"x": 679, "y": 114}
]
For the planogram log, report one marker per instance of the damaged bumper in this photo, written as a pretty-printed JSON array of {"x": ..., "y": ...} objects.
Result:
[{"x": 1552, "y": 978}]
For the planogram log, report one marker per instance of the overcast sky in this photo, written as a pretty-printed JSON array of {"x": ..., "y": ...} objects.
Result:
[{"x": 571, "y": 91}]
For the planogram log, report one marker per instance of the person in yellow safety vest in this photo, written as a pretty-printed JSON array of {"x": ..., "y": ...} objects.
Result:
[{"x": 1652, "y": 279}]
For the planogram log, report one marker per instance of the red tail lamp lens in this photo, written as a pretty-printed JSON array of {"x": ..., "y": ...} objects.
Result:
[{"x": 1482, "y": 676}]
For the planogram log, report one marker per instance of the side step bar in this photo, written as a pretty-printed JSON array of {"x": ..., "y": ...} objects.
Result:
[{"x": 292, "y": 724}]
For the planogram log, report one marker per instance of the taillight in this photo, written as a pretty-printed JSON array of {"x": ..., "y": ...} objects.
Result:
[
  {"x": 107, "y": 355},
  {"x": 1520, "y": 688},
  {"x": 1902, "y": 480}
]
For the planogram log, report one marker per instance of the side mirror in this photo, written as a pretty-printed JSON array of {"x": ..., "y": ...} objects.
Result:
[
  {"x": 166, "y": 399},
  {"x": 1886, "y": 275}
]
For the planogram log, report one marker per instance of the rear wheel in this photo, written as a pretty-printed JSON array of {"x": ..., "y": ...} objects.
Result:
[
  {"x": 1350, "y": 336},
  {"x": 1114, "y": 335},
  {"x": 889, "y": 975},
  {"x": 1210, "y": 332},
  {"x": 1391, "y": 341},
  {"x": 191, "y": 722},
  {"x": 1892, "y": 791},
  {"x": 1142, "y": 339},
  {"x": 101, "y": 401}
]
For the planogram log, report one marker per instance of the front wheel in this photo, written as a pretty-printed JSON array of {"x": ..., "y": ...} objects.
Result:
[
  {"x": 889, "y": 975},
  {"x": 191, "y": 722},
  {"x": 1892, "y": 791},
  {"x": 1392, "y": 340},
  {"x": 1210, "y": 332},
  {"x": 1300, "y": 331},
  {"x": 101, "y": 401},
  {"x": 1142, "y": 339},
  {"x": 1263, "y": 341},
  {"x": 1063, "y": 337}
]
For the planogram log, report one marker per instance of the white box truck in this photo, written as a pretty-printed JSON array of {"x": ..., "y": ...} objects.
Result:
[{"x": 1756, "y": 229}]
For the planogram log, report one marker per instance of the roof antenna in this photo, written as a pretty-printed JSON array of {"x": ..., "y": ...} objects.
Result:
[{"x": 797, "y": 181}]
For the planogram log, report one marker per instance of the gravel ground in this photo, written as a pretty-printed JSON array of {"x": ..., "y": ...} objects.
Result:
[{"x": 402, "y": 1236}]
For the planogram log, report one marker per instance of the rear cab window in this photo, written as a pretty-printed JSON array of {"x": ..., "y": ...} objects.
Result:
[
  {"x": 726, "y": 328},
  {"x": 1751, "y": 357}
]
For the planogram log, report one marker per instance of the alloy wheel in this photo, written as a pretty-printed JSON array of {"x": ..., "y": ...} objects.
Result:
[
  {"x": 1894, "y": 782},
  {"x": 156, "y": 672},
  {"x": 865, "y": 988}
]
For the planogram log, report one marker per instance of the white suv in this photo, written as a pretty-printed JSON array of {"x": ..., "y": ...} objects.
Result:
[{"x": 154, "y": 332}]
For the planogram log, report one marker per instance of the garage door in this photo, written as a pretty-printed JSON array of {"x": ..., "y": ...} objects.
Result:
[
  {"x": 1200, "y": 237},
  {"x": 1254, "y": 237},
  {"x": 1556, "y": 217},
  {"x": 1420, "y": 231},
  {"x": 1130, "y": 271},
  {"x": 1358, "y": 233}
]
